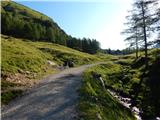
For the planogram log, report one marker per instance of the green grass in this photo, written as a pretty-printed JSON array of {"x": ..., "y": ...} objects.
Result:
[
  {"x": 142, "y": 88},
  {"x": 124, "y": 75},
  {"x": 106, "y": 57},
  {"x": 18, "y": 55},
  {"x": 6, "y": 85},
  {"x": 23, "y": 56},
  {"x": 17, "y": 8},
  {"x": 10, "y": 95},
  {"x": 96, "y": 101},
  {"x": 60, "y": 53}
]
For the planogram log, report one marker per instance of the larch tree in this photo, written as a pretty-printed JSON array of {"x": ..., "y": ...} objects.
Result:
[
  {"x": 133, "y": 32},
  {"x": 142, "y": 19}
]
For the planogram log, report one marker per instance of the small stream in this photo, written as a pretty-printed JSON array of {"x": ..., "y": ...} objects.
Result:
[{"x": 127, "y": 103}]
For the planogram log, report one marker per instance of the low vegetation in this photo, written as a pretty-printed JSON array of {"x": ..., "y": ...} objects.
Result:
[
  {"x": 96, "y": 103},
  {"x": 128, "y": 77},
  {"x": 143, "y": 84},
  {"x": 24, "y": 61}
]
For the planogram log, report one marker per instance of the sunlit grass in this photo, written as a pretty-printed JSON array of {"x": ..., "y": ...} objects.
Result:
[
  {"x": 28, "y": 58},
  {"x": 95, "y": 101},
  {"x": 124, "y": 75}
]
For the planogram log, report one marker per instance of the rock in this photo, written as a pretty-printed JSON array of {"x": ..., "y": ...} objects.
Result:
[
  {"x": 98, "y": 116},
  {"x": 157, "y": 118},
  {"x": 102, "y": 82},
  {"x": 51, "y": 63},
  {"x": 96, "y": 75},
  {"x": 20, "y": 71},
  {"x": 34, "y": 75},
  {"x": 135, "y": 109},
  {"x": 70, "y": 64},
  {"x": 81, "y": 119},
  {"x": 28, "y": 72},
  {"x": 45, "y": 69}
]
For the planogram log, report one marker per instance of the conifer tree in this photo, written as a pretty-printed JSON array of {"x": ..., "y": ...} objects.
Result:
[{"x": 142, "y": 19}]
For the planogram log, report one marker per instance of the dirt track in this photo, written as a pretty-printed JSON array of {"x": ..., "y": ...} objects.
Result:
[{"x": 54, "y": 98}]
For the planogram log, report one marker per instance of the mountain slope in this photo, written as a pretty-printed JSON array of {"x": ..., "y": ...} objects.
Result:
[
  {"x": 8, "y": 6},
  {"x": 23, "y": 22}
]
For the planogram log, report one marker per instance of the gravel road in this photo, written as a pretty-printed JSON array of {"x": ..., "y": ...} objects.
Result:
[{"x": 54, "y": 98}]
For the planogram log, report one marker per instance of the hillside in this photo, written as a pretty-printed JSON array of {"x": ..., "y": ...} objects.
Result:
[
  {"x": 11, "y": 6},
  {"x": 24, "y": 61},
  {"x": 32, "y": 47},
  {"x": 23, "y": 19},
  {"x": 23, "y": 22}
]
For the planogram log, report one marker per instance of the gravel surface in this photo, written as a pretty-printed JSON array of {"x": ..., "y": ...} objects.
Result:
[{"x": 54, "y": 98}]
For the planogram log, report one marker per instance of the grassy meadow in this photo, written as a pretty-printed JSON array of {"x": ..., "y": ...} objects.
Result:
[{"x": 24, "y": 61}]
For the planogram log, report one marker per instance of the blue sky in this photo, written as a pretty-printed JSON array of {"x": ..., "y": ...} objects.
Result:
[{"x": 101, "y": 20}]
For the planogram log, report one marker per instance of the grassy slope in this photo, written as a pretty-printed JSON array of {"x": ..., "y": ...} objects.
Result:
[
  {"x": 124, "y": 75},
  {"x": 25, "y": 13},
  {"x": 95, "y": 101},
  {"x": 23, "y": 59},
  {"x": 20, "y": 54},
  {"x": 23, "y": 9}
]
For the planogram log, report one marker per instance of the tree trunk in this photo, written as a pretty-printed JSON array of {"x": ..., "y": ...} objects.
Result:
[
  {"x": 136, "y": 44},
  {"x": 136, "y": 49},
  {"x": 145, "y": 35}
]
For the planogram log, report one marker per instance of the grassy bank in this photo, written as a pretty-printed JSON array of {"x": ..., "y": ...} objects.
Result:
[
  {"x": 95, "y": 102},
  {"x": 128, "y": 77},
  {"x": 23, "y": 62},
  {"x": 142, "y": 84}
]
